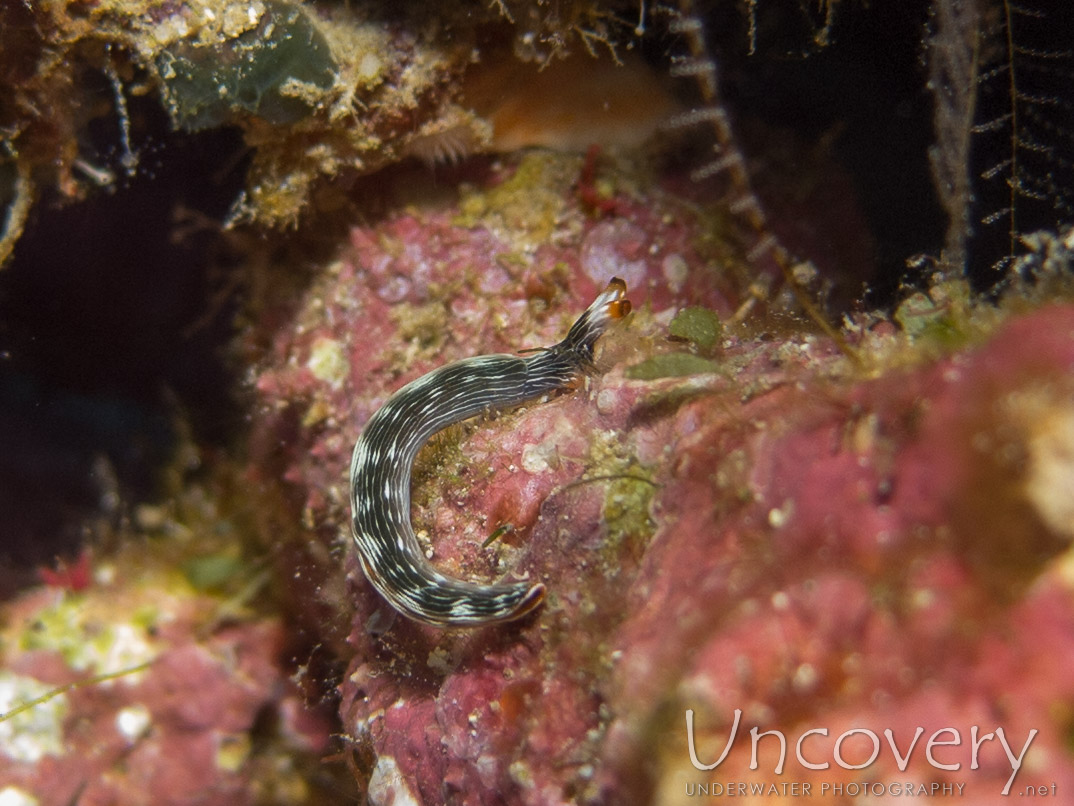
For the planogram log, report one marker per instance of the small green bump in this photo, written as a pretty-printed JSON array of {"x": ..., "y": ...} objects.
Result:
[
  {"x": 212, "y": 572},
  {"x": 626, "y": 511},
  {"x": 697, "y": 325},
  {"x": 936, "y": 318},
  {"x": 671, "y": 365}
]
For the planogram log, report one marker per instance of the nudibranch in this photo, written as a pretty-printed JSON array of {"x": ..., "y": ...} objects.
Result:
[{"x": 390, "y": 554}]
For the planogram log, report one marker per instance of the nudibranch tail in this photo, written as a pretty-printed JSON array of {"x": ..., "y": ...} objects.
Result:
[{"x": 390, "y": 554}]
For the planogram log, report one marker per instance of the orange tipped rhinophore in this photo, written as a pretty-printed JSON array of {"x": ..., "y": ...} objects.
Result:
[{"x": 620, "y": 306}]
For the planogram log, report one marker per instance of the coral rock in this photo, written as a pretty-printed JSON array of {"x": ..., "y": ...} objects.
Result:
[{"x": 781, "y": 534}]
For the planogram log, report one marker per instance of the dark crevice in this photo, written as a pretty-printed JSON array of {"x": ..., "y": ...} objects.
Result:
[{"x": 104, "y": 338}]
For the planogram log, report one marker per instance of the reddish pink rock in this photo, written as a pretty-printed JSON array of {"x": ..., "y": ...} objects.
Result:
[
  {"x": 205, "y": 714},
  {"x": 785, "y": 537}
]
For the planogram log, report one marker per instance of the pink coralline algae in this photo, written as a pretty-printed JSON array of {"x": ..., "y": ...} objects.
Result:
[
  {"x": 139, "y": 691},
  {"x": 810, "y": 545},
  {"x": 876, "y": 555}
]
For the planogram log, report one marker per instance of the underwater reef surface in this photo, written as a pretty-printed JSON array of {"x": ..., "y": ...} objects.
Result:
[
  {"x": 849, "y": 546},
  {"x": 728, "y": 519},
  {"x": 735, "y": 518},
  {"x": 137, "y": 679}
]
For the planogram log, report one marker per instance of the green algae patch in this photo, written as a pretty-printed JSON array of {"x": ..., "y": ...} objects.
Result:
[
  {"x": 943, "y": 319},
  {"x": 699, "y": 326},
  {"x": 627, "y": 501},
  {"x": 274, "y": 71},
  {"x": 89, "y": 634},
  {"x": 213, "y": 572},
  {"x": 628, "y": 495},
  {"x": 671, "y": 365}
]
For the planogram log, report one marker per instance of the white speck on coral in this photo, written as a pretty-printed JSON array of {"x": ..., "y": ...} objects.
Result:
[
  {"x": 488, "y": 767},
  {"x": 675, "y": 272},
  {"x": 521, "y": 774},
  {"x": 104, "y": 574},
  {"x": 126, "y": 648},
  {"x": 369, "y": 66},
  {"x": 778, "y": 516},
  {"x": 440, "y": 661},
  {"x": 13, "y": 796},
  {"x": 922, "y": 598},
  {"x": 805, "y": 678},
  {"x": 169, "y": 30},
  {"x": 538, "y": 458},
  {"x": 328, "y": 362},
  {"x": 132, "y": 722},
  {"x": 388, "y": 787},
  {"x": 606, "y": 400},
  {"x": 395, "y": 289}
]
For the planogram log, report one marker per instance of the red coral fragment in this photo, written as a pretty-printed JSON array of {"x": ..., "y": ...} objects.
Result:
[
  {"x": 588, "y": 192},
  {"x": 74, "y": 577}
]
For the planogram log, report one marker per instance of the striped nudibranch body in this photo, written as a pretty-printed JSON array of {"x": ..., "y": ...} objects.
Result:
[{"x": 383, "y": 455}]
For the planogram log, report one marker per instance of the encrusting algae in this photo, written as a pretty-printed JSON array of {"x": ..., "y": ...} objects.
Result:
[
  {"x": 156, "y": 679},
  {"x": 320, "y": 92}
]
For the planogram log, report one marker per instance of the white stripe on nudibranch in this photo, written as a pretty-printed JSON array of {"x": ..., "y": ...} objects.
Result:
[{"x": 383, "y": 455}]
